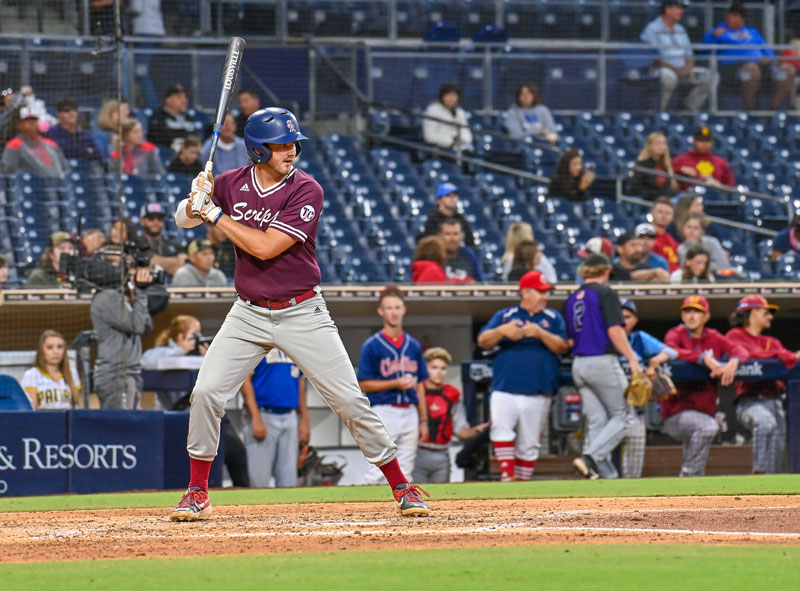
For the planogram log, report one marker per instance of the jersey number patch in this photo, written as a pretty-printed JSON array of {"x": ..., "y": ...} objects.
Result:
[{"x": 307, "y": 213}]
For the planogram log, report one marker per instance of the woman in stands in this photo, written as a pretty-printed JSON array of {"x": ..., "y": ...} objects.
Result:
[
  {"x": 693, "y": 232},
  {"x": 51, "y": 383},
  {"x": 108, "y": 124},
  {"x": 528, "y": 117},
  {"x": 445, "y": 123},
  {"x": 526, "y": 257},
  {"x": 517, "y": 233},
  {"x": 187, "y": 160},
  {"x": 695, "y": 268},
  {"x": 570, "y": 180},
  {"x": 139, "y": 157},
  {"x": 654, "y": 155},
  {"x": 428, "y": 265},
  {"x": 686, "y": 205}
]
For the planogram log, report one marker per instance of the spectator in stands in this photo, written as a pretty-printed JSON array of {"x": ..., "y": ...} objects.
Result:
[
  {"x": 165, "y": 253},
  {"x": 38, "y": 107},
  {"x": 517, "y": 233},
  {"x": 528, "y": 117},
  {"x": 695, "y": 267},
  {"x": 750, "y": 66},
  {"x": 146, "y": 21},
  {"x": 108, "y": 118},
  {"x": 91, "y": 240},
  {"x": 187, "y": 160},
  {"x": 139, "y": 157},
  {"x": 31, "y": 152},
  {"x": 527, "y": 257},
  {"x": 570, "y": 180},
  {"x": 101, "y": 17},
  {"x": 224, "y": 252},
  {"x": 74, "y": 141},
  {"x": 9, "y": 106},
  {"x": 447, "y": 207},
  {"x": 231, "y": 151},
  {"x": 675, "y": 64},
  {"x": 446, "y": 416},
  {"x": 787, "y": 240},
  {"x": 654, "y": 155},
  {"x": 661, "y": 213},
  {"x": 687, "y": 204},
  {"x": 120, "y": 317},
  {"x": 689, "y": 415},
  {"x": 597, "y": 245},
  {"x": 759, "y": 407},
  {"x": 4, "y": 271},
  {"x": 629, "y": 265},
  {"x": 461, "y": 263},
  {"x": 694, "y": 234},
  {"x": 182, "y": 338},
  {"x": 121, "y": 231},
  {"x": 452, "y": 131},
  {"x": 52, "y": 383},
  {"x": 700, "y": 164},
  {"x": 46, "y": 275},
  {"x": 647, "y": 233},
  {"x": 171, "y": 122},
  {"x": 199, "y": 271},
  {"x": 249, "y": 103},
  {"x": 429, "y": 258}
]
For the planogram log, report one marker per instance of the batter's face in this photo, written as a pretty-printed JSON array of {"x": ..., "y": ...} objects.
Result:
[
  {"x": 694, "y": 319},
  {"x": 283, "y": 156},
  {"x": 392, "y": 310},
  {"x": 437, "y": 371},
  {"x": 53, "y": 350},
  {"x": 630, "y": 320},
  {"x": 532, "y": 300}
]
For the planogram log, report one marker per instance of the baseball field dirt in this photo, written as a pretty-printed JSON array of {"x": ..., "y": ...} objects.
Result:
[{"x": 286, "y": 528}]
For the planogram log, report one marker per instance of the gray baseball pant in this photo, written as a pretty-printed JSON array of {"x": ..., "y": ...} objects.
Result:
[
  {"x": 310, "y": 338},
  {"x": 633, "y": 444},
  {"x": 276, "y": 454},
  {"x": 765, "y": 419},
  {"x": 432, "y": 465},
  {"x": 602, "y": 383},
  {"x": 696, "y": 430},
  {"x": 120, "y": 392}
]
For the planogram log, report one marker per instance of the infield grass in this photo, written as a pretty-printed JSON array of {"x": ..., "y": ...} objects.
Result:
[
  {"x": 576, "y": 567},
  {"x": 780, "y": 484}
]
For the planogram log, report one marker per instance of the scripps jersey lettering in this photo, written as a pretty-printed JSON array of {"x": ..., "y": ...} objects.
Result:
[
  {"x": 279, "y": 207},
  {"x": 589, "y": 312},
  {"x": 381, "y": 360}
]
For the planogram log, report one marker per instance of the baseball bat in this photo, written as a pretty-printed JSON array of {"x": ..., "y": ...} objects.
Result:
[{"x": 229, "y": 73}]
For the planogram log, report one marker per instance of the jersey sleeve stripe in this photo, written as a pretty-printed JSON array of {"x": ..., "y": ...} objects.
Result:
[{"x": 289, "y": 230}]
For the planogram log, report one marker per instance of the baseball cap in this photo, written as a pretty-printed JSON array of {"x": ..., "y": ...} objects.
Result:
[
  {"x": 703, "y": 133},
  {"x": 626, "y": 237},
  {"x": 196, "y": 246},
  {"x": 595, "y": 259},
  {"x": 645, "y": 230},
  {"x": 753, "y": 302},
  {"x": 668, "y": 3},
  {"x": 66, "y": 103},
  {"x": 697, "y": 303},
  {"x": 446, "y": 189},
  {"x": 627, "y": 304},
  {"x": 175, "y": 89},
  {"x": 27, "y": 113},
  {"x": 533, "y": 280},
  {"x": 597, "y": 245},
  {"x": 152, "y": 209},
  {"x": 736, "y": 7},
  {"x": 57, "y": 238}
]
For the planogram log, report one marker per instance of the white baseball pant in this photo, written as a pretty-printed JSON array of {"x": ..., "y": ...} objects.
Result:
[
  {"x": 519, "y": 418},
  {"x": 402, "y": 423}
]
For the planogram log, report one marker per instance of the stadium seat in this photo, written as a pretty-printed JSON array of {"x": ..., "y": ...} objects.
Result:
[{"x": 12, "y": 396}]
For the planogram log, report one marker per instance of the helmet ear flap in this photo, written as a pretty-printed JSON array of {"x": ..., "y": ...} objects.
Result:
[{"x": 297, "y": 149}]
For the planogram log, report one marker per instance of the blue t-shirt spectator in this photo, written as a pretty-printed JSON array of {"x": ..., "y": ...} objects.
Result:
[{"x": 738, "y": 37}]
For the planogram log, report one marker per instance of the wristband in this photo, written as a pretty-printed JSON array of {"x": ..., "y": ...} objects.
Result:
[{"x": 215, "y": 220}]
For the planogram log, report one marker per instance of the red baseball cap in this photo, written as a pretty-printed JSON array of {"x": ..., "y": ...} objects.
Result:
[
  {"x": 597, "y": 245},
  {"x": 696, "y": 303},
  {"x": 533, "y": 280},
  {"x": 753, "y": 302}
]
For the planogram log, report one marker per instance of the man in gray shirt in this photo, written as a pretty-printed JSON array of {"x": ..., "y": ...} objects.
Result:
[
  {"x": 119, "y": 320},
  {"x": 199, "y": 271},
  {"x": 675, "y": 63}
]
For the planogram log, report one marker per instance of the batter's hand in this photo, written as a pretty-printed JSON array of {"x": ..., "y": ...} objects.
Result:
[
  {"x": 208, "y": 211},
  {"x": 259, "y": 429},
  {"x": 202, "y": 189}
]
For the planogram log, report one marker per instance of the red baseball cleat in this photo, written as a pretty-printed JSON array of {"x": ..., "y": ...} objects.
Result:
[
  {"x": 409, "y": 502},
  {"x": 194, "y": 506}
]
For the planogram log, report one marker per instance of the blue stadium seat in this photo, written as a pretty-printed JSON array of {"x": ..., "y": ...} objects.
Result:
[{"x": 12, "y": 396}]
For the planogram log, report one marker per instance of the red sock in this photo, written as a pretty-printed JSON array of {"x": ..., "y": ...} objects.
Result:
[
  {"x": 393, "y": 473},
  {"x": 504, "y": 452},
  {"x": 523, "y": 469},
  {"x": 199, "y": 470}
]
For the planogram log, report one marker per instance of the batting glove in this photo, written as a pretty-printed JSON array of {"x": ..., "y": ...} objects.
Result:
[
  {"x": 202, "y": 189},
  {"x": 208, "y": 210}
]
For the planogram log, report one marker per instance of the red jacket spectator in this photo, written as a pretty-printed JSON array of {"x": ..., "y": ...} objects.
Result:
[
  {"x": 761, "y": 347},
  {"x": 700, "y": 396},
  {"x": 666, "y": 246},
  {"x": 707, "y": 166},
  {"x": 428, "y": 272}
]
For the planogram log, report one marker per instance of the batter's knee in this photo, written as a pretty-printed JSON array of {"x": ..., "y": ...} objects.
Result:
[{"x": 205, "y": 397}]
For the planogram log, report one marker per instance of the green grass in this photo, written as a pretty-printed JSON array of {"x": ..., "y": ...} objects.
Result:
[
  {"x": 546, "y": 489},
  {"x": 583, "y": 568}
]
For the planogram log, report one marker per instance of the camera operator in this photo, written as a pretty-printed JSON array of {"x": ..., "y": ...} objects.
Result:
[{"x": 120, "y": 317}]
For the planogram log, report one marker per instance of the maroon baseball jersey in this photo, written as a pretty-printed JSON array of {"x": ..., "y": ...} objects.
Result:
[{"x": 292, "y": 206}]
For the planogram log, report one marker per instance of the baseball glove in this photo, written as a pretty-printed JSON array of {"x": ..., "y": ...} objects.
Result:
[
  {"x": 639, "y": 389},
  {"x": 663, "y": 387}
]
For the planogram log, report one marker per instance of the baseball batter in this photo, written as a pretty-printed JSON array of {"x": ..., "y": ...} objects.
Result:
[
  {"x": 269, "y": 210},
  {"x": 530, "y": 337}
]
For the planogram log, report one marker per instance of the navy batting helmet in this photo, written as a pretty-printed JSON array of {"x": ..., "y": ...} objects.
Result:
[{"x": 273, "y": 125}]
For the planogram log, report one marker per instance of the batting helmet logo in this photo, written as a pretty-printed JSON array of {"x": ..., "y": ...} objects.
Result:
[
  {"x": 290, "y": 126},
  {"x": 307, "y": 213}
]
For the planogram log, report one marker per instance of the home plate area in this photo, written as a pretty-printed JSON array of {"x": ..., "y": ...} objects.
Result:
[{"x": 75, "y": 535}]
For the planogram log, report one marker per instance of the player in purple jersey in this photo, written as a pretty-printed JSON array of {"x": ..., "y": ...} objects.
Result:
[
  {"x": 269, "y": 210},
  {"x": 595, "y": 324}
]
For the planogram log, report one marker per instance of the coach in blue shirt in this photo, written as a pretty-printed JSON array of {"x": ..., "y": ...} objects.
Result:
[
  {"x": 594, "y": 320},
  {"x": 529, "y": 339}
]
